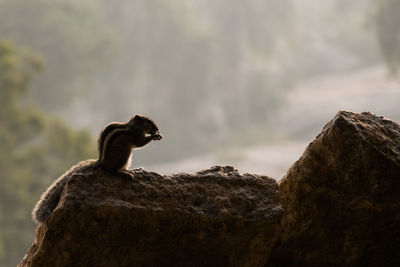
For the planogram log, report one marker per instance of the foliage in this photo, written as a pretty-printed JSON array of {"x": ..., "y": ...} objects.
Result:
[
  {"x": 332, "y": 36},
  {"x": 387, "y": 20},
  {"x": 34, "y": 149},
  {"x": 198, "y": 68},
  {"x": 167, "y": 59},
  {"x": 69, "y": 35}
]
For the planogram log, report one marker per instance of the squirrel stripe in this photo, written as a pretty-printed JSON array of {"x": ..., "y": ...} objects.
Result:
[
  {"x": 105, "y": 132},
  {"x": 106, "y": 135}
]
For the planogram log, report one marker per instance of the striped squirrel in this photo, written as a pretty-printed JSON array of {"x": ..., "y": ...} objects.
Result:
[
  {"x": 118, "y": 139},
  {"x": 115, "y": 143}
]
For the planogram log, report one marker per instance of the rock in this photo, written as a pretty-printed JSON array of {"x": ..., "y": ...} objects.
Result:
[
  {"x": 342, "y": 197},
  {"x": 215, "y": 217}
]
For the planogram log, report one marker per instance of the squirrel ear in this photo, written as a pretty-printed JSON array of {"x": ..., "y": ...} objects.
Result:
[
  {"x": 138, "y": 118},
  {"x": 133, "y": 119}
]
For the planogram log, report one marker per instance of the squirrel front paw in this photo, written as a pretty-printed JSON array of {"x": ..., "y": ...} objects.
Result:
[{"x": 156, "y": 136}]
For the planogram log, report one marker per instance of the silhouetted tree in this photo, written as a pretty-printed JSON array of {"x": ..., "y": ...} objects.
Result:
[
  {"x": 34, "y": 150},
  {"x": 388, "y": 32}
]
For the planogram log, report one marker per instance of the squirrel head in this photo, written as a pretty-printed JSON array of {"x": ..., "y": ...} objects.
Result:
[{"x": 146, "y": 124}]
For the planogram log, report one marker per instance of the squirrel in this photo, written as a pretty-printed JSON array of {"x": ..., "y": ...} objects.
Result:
[
  {"x": 118, "y": 139},
  {"x": 115, "y": 144}
]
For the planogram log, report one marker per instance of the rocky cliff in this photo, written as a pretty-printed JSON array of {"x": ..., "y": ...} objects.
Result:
[
  {"x": 214, "y": 217},
  {"x": 342, "y": 197},
  {"x": 338, "y": 205}
]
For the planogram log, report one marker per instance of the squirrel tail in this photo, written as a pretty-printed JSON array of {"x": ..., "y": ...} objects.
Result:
[{"x": 49, "y": 199}]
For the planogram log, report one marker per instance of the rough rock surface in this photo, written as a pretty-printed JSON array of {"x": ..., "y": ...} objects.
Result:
[
  {"x": 215, "y": 217},
  {"x": 342, "y": 197}
]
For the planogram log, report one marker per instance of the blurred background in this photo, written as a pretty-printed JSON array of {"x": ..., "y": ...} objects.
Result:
[{"x": 245, "y": 83}]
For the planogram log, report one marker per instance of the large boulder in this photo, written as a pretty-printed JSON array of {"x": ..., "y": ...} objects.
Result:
[
  {"x": 215, "y": 217},
  {"x": 342, "y": 197}
]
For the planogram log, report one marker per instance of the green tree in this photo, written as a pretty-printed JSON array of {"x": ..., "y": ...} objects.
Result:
[
  {"x": 34, "y": 149},
  {"x": 71, "y": 37}
]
